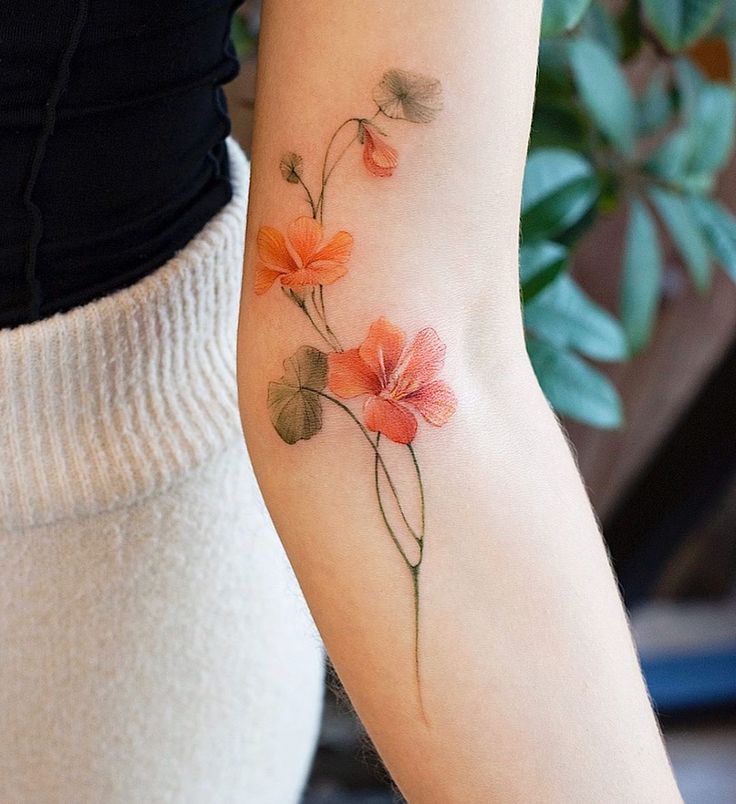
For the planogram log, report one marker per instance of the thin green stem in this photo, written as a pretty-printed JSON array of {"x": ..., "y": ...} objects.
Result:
[
  {"x": 414, "y": 569},
  {"x": 320, "y": 200},
  {"x": 393, "y": 490},
  {"x": 329, "y": 173},
  {"x": 421, "y": 490},
  {"x": 417, "y": 671},
  {"x": 379, "y": 459},
  {"x": 322, "y": 335},
  {"x": 309, "y": 196},
  {"x": 301, "y": 302},
  {"x": 325, "y": 173},
  {"x": 390, "y": 530},
  {"x": 323, "y": 316}
]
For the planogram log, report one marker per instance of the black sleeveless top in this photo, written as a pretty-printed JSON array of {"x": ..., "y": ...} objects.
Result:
[{"x": 112, "y": 153}]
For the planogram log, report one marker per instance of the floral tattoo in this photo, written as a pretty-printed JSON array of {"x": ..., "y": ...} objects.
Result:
[{"x": 396, "y": 379}]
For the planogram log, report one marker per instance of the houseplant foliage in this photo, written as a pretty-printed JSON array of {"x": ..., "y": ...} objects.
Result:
[{"x": 597, "y": 145}]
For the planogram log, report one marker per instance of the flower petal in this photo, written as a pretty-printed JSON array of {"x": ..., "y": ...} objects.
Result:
[
  {"x": 381, "y": 350},
  {"x": 338, "y": 249},
  {"x": 393, "y": 420},
  {"x": 348, "y": 375},
  {"x": 423, "y": 361},
  {"x": 265, "y": 277},
  {"x": 436, "y": 401},
  {"x": 324, "y": 274},
  {"x": 305, "y": 235},
  {"x": 273, "y": 251},
  {"x": 378, "y": 156}
]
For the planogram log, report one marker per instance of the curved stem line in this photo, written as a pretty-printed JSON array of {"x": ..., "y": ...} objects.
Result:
[
  {"x": 318, "y": 330},
  {"x": 323, "y": 315},
  {"x": 320, "y": 206},
  {"x": 321, "y": 199},
  {"x": 379, "y": 459},
  {"x": 330, "y": 172},
  {"x": 413, "y": 568},
  {"x": 421, "y": 492},
  {"x": 309, "y": 196},
  {"x": 417, "y": 671},
  {"x": 390, "y": 530}
]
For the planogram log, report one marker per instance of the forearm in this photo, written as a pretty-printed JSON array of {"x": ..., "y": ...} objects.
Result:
[{"x": 453, "y": 564}]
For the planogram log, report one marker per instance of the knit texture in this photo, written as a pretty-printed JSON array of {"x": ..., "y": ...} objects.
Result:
[{"x": 154, "y": 645}]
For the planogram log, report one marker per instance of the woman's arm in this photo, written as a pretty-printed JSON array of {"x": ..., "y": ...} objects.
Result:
[{"x": 423, "y": 490}]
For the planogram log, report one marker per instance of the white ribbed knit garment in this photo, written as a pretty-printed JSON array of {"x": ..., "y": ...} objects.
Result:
[{"x": 154, "y": 645}]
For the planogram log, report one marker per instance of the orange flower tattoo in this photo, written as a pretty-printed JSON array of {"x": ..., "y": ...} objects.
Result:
[
  {"x": 299, "y": 259},
  {"x": 378, "y": 156},
  {"x": 396, "y": 381}
]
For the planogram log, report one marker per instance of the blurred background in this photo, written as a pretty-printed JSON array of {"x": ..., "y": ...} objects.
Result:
[{"x": 628, "y": 265}]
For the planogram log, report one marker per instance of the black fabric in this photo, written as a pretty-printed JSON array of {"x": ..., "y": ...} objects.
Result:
[{"x": 112, "y": 152}]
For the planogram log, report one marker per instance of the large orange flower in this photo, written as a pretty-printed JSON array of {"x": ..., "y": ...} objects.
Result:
[
  {"x": 300, "y": 259},
  {"x": 396, "y": 379}
]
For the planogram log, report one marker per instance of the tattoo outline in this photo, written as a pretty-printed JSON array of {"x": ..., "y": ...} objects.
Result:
[{"x": 395, "y": 378}]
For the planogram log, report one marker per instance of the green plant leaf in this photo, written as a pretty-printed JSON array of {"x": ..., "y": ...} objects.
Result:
[
  {"x": 680, "y": 23},
  {"x": 690, "y": 82},
  {"x": 691, "y": 156},
  {"x": 574, "y": 388},
  {"x": 560, "y": 187},
  {"x": 559, "y": 16},
  {"x": 642, "y": 277},
  {"x": 561, "y": 210},
  {"x": 719, "y": 228},
  {"x": 604, "y": 91},
  {"x": 712, "y": 128},
  {"x": 685, "y": 233},
  {"x": 295, "y": 408},
  {"x": 563, "y": 315},
  {"x": 540, "y": 263},
  {"x": 654, "y": 107},
  {"x": 601, "y": 25}
]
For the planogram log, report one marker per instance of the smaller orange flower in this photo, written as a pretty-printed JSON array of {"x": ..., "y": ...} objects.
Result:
[
  {"x": 299, "y": 259},
  {"x": 396, "y": 379},
  {"x": 378, "y": 156}
]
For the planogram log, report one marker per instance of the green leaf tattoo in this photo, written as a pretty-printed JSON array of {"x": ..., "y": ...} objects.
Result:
[{"x": 294, "y": 405}]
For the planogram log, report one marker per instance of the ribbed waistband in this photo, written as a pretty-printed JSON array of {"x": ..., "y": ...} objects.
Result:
[{"x": 115, "y": 400}]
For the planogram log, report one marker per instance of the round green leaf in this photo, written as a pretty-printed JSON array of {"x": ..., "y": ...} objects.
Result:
[{"x": 294, "y": 405}]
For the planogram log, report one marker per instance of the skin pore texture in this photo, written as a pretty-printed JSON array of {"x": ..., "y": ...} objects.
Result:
[{"x": 423, "y": 490}]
